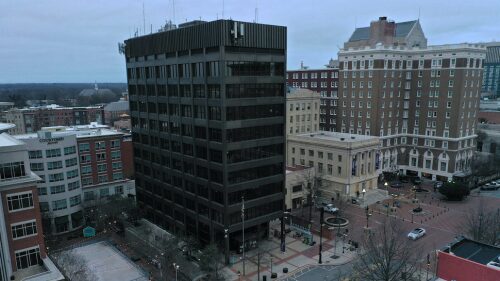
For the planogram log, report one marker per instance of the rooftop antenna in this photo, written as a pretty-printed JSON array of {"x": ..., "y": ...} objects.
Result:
[
  {"x": 143, "y": 19},
  {"x": 355, "y": 21},
  {"x": 256, "y": 12},
  {"x": 418, "y": 19},
  {"x": 223, "y": 9}
]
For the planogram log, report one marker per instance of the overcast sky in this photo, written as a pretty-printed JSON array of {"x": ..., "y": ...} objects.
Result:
[{"x": 76, "y": 40}]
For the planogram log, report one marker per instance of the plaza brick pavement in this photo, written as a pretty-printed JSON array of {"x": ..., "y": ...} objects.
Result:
[{"x": 443, "y": 220}]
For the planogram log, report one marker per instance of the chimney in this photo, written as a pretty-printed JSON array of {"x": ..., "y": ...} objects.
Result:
[{"x": 301, "y": 64}]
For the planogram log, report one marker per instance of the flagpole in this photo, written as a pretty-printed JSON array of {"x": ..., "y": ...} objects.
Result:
[{"x": 243, "y": 229}]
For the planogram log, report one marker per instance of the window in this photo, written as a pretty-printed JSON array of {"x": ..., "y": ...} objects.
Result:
[
  {"x": 115, "y": 143},
  {"x": 339, "y": 157},
  {"x": 56, "y": 152},
  {"x": 100, "y": 145},
  {"x": 75, "y": 200},
  {"x": 73, "y": 185},
  {"x": 72, "y": 174},
  {"x": 119, "y": 190},
  {"x": 69, "y": 150},
  {"x": 28, "y": 257},
  {"x": 102, "y": 168},
  {"x": 71, "y": 162},
  {"x": 85, "y": 159},
  {"x": 86, "y": 170},
  {"x": 12, "y": 170},
  {"x": 44, "y": 207},
  {"x": 89, "y": 195},
  {"x": 102, "y": 178},
  {"x": 117, "y": 176},
  {"x": 36, "y": 167},
  {"x": 56, "y": 177},
  {"x": 59, "y": 204},
  {"x": 116, "y": 154},
  {"x": 54, "y": 165},
  {"x": 116, "y": 165},
  {"x": 35, "y": 154},
  {"x": 20, "y": 201},
  {"x": 101, "y": 156},
  {"x": 84, "y": 147},
  {"x": 42, "y": 191},
  {"x": 57, "y": 189},
  {"x": 23, "y": 229},
  {"x": 104, "y": 192},
  {"x": 87, "y": 181}
]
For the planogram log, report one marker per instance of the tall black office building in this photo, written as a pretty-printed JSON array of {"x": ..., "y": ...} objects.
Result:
[{"x": 208, "y": 115}]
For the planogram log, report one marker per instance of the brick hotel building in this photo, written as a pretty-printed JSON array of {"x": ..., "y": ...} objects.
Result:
[{"x": 422, "y": 101}]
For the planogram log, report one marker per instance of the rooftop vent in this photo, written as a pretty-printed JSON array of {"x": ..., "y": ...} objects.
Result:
[{"x": 382, "y": 18}]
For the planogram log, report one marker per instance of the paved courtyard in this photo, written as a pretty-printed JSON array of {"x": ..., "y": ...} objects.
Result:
[
  {"x": 442, "y": 220},
  {"x": 108, "y": 264}
]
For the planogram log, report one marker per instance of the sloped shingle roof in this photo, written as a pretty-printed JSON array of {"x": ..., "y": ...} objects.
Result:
[{"x": 402, "y": 30}]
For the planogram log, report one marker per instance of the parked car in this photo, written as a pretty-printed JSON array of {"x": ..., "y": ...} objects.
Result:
[
  {"x": 416, "y": 233},
  {"x": 493, "y": 264},
  {"x": 329, "y": 208},
  {"x": 489, "y": 186},
  {"x": 396, "y": 184},
  {"x": 438, "y": 184}
]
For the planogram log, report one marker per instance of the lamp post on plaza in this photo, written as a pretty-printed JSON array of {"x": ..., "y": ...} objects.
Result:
[
  {"x": 226, "y": 238},
  {"x": 176, "y": 267},
  {"x": 367, "y": 212}
]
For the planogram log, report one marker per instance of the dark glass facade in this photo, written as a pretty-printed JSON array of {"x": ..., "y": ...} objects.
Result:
[{"x": 208, "y": 117}]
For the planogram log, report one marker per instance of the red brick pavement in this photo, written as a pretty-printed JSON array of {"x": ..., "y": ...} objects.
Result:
[{"x": 442, "y": 220}]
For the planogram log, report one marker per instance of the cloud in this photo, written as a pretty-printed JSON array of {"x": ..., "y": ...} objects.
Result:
[{"x": 76, "y": 41}]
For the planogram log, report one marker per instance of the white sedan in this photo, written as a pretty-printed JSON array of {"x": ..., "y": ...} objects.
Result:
[{"x": 416, "y": 233}]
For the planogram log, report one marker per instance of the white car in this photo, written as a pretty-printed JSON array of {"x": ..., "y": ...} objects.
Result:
[
  {"x": 329, "y": 208},
  {"x": 494, "y": 265},
  {"x": 416, "y": 233}
]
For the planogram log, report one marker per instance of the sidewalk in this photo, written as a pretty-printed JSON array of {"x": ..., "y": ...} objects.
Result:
[{"x": 297, "y": 256}]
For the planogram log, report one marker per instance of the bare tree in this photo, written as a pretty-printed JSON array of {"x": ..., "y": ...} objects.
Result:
[
  {"x": 74, "y": 266},
  {"x": 483, "y": 225},
  {"x": 387, "y": 255},
  {"x": 312, "y": 181},
  {"x": 211, "y": 261}
]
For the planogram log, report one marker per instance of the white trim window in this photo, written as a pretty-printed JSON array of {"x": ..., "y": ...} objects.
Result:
[
  {"x": 20, "y": 201},
  {"x": 28, "y": 257},
  {"x": 23, "y": 229}
]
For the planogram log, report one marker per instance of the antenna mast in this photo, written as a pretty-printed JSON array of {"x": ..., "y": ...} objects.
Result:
[
  {"x": 223, "y": 9},
  {"x": 256, "y": 12},
  {"x": 143, "y": 19}
]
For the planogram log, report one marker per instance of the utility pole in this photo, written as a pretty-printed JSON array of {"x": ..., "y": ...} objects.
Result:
[{"x": 243, "y": 229}]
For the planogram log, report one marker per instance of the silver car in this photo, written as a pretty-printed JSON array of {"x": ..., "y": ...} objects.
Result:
[{"x": 416, "y": 233}]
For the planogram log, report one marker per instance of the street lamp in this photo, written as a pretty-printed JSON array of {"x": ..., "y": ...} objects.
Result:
[
  {"x": 415, "y": 193},
  {"x": 363, "y": 191},
  {"x": 386, "y": 184},
  {"x": 321, "y": 216},
  {"x": 367, "y": 212},
  {"x": 243, "y": 229},
  {"x": 176, "y": 267},
  {"x": 226, "y": 238}
]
